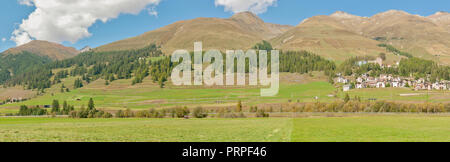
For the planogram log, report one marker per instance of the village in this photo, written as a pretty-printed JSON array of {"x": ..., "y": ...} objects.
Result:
[
  {"x": 388, "y": 80},
  {"x": 385, "y": 81}
]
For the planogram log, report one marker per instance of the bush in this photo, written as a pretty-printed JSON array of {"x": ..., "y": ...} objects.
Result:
[
  {"x": 181, "y": 112},
  {"x": 25, "y": 111},
  {"x": 232, "y": 115},
  {"x": 107, "y": 115},
  {"x": 262, "y": 114},
  {"x": 119, "y": 114},
  {"x": 253, "y": 109},
  {"x": 199, "y": 113}
]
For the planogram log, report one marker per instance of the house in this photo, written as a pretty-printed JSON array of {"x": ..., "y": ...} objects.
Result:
[
  {"x": 371, "y": 84},
  {"x": 395, "y": 84},
  {"x": 436, "y": 86},
  {"x": 360, "y": 63},
  {"x": 383, "y": 77},
  {"x": 371, "y": 79},
  {"x": 443, "y": 86},
  {"x": 381, "y": 85},
  {"x": 342, "y": 80},
  {"x": 421, "y": 80},
  {"x": 378, "y": 61},
  {"x": 360, "y": 86},
  {"x": 359, "y": 80},
  {"x": 347, "y": 87},
  {"x": 390, "y": 78}
]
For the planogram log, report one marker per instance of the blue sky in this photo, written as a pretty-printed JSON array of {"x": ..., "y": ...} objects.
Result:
[{"x": 289, "y": 12}]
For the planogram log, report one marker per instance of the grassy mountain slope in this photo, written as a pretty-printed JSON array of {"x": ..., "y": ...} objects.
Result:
[
  {"x": 412, "y": 33},
  {"x": 241, "y": 31},
  {"x": 327, "y": 37},
  {"x": 424, "y": 37},
  {"x": 442, "y": 19},
  {"x": 43, "y": 48}
]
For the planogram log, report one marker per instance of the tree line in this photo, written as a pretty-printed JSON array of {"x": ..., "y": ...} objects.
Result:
[{"x": 394, "y": 50}]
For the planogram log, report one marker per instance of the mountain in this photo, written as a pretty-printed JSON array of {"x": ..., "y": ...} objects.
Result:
[
  {"x": 241, "y": 31},
  {"x": 328, "y": 37},
  {"x": 412, "y": 33},
  {"x": 441, "y": 18},
  {"x": 85, "y": 49},
  {"x": 43, "y": 48},
  {"x": 344, "y": 34},
  {"x": 337, "y": 36}
]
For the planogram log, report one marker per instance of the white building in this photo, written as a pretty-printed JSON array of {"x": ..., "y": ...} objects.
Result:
[
  {"x": 395, "y": 84},
  {"x": 347, "y": 87},
  {"x": 381, "y": 85},
  {"x": 342, "y": 80},
  {"x": 360, "y": 86},
  {"x": 359, "y": 80}
]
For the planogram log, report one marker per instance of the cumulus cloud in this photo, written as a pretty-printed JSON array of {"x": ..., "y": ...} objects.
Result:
[
  {"x": 255, "y": 6},
  {"x": 3, "y": 39},
  {"x": 69, "y": 20},
  {"x": 26, "y": 2}
]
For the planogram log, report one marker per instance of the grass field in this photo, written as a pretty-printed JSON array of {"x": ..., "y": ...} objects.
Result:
[
  {"x": 121, "y": 94},
  {"x": 401, "y": 128}
]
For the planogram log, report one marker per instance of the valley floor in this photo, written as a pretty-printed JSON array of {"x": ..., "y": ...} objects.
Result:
[
  {"x": 293, "y": 88},
  {"x": 346, "y": 127}
]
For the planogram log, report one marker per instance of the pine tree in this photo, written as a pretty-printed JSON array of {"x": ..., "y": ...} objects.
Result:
[
  {"x": 239, "y": 106},
  {"x": 55, "y": 106},
  {"x": 78, "y": 83},
  {"x": 91, "y": 105},
  {"x": 347, "y": 98},
  {"x": 65, "y": 107}
]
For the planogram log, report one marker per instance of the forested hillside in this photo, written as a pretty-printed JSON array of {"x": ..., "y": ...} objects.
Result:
[
  {"x": 11, "y": 65},
  {"x": 89, "y": 66},
  {"x": 137, "y": 64},
  {"x": 416, "y": 67}
]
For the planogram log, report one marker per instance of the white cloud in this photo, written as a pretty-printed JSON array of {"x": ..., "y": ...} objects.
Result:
[
  {"x": 255, "y": 6},
  {"x": 3, "y": 39},
  {"x": 69, "y": 20},
  {"x": 26, "y": 2}
]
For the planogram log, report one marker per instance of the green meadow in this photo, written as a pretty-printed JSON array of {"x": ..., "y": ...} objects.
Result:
[
  {"x": 346, "y": 128},
  {"x": 121, "y": 94}
]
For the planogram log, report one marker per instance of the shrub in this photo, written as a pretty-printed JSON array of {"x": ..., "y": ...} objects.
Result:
[
  {"x": 119, "y": 114},
  {"x": 25, "y": 111},
  {"x": 232, "y": 115},
  {"x": 181, "y": 112},
  {"x": 262, "y": 114},
  {"x": 107, "y": 115},
  {"x": 253, "y": 109},
  {"x": 239, "y": 106},
  {"x": 199, "y": 113}
]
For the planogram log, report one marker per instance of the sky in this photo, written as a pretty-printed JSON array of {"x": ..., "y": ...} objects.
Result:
[{"x": 80, "y": 23}]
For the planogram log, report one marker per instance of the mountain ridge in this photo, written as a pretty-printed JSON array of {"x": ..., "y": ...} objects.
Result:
[
  {"x": 52, "y": 50},
  {"x": 241, "y": 31},
  {"x": 337, "y": 36},
  {"x": 425, "y": 37}
]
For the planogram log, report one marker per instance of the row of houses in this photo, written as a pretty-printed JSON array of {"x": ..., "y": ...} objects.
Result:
[{"x": 384, "y": 81}]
